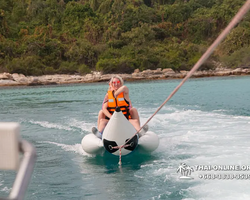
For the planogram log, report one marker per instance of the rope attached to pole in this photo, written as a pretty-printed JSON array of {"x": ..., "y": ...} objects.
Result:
[{"x": 241, "y": 13}]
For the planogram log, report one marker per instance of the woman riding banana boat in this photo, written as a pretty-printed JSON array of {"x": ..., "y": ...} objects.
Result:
[{"x": 118, "y": 125}]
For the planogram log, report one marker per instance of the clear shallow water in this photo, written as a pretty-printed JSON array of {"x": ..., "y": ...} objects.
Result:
[{"x": 207, "y": 122}]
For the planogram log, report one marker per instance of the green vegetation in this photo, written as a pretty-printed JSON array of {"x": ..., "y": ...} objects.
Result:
[{"x": 117, "y": 36}]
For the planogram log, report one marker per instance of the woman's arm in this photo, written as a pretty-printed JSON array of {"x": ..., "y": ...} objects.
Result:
[
  {"x": 105, "y": 100},
  {"x": 123, "y": 89},
  {"x": 105, "y": 110},
  {"x": 105, "y": 106}
]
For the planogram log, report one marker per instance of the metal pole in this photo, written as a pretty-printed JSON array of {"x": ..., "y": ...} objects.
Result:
[{"x": 25, "y": 171}]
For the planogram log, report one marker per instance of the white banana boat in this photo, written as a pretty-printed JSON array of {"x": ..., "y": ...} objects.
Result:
[{"x": 118, "y": 132}]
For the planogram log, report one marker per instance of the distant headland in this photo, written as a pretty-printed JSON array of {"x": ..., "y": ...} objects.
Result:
[{"x": 7, "y": 79}]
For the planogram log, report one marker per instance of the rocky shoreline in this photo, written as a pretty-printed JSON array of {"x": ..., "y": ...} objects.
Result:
[{"x": 15, "y": 79}]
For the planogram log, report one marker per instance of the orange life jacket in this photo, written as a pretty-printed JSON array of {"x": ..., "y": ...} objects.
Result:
[{"x": 118, "y": 101}]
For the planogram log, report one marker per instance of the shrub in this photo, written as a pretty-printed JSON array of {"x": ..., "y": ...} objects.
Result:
[
  {"x": 239, "y": 58},
  {"x": 30, "y": 65},
  {"x": 67, "y": 68},
  {"x": 49, "y": 70},
  {"x": 83, "y": 69},
  {"x": 107, "y": 65},
  {"x": 116, "y": 65}
]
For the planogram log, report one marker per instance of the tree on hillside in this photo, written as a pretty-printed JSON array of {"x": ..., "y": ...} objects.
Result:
[{"x": 76, "y": 36}]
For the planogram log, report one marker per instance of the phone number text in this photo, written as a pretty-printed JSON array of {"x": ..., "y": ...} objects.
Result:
[{"x": 224, "y": 176}]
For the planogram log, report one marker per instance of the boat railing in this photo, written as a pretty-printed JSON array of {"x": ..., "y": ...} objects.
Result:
[{"x": 16, "y": 155}]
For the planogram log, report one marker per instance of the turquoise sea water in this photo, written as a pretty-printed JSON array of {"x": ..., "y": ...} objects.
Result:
[{"x": 206, "y": 123}]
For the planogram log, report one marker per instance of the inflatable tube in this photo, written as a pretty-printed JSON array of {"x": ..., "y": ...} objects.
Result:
[
  {"x": 149, "y": 142},
  {"x": 117, "y": 132},
  {"x": 92, "y": 144}
]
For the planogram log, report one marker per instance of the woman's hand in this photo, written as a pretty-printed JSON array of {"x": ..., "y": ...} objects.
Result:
[{"x": 111, "y": 88}]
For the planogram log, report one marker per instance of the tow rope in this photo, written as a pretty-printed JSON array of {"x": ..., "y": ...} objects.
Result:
[{"x": 241, "y": 13}]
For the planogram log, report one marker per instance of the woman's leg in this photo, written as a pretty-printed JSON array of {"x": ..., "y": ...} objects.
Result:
[
  {"x": 135, "y": 121},
  {"x": 102, "y": 124},
  {"x": 100, "y": 116},
  {"x": 134, "y": 114}
]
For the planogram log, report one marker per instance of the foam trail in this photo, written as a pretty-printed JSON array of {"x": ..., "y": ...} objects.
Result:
[
  {"x": 196, "y": 137},
  {"x": 84, "y": 126},
  {"x": 77, "y": 148},
  {"x": 46, "y": 124},
  {"x": 6, "y": 189}
]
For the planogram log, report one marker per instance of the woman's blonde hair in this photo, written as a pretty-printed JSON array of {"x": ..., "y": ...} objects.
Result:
[{"x": 118, "y": 77}]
